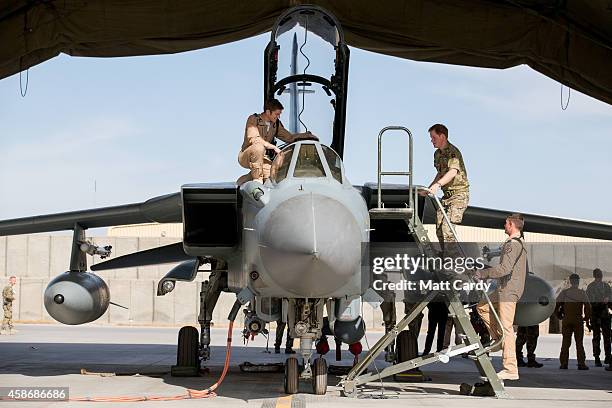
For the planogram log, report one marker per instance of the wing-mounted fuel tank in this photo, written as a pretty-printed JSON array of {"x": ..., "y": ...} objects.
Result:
[
  {"x": 303, "y": 229},
  {"x": 76, "y": 297},
  {"x": 537, "y": 303}
]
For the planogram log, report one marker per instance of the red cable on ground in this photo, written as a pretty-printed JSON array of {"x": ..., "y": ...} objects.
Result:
[{"x": 191, "y": 394}]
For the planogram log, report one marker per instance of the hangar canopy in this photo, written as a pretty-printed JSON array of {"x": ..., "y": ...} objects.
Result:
[{"x": 567, "y": 40}]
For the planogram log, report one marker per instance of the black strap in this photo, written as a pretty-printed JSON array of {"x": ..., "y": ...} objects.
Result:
[{"x": 505, "y": 279}]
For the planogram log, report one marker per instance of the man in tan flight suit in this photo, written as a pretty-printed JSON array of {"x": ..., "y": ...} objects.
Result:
[
  {"x": 8, "y": 297},
  {"x": 573, "y": 309},
  {"x": 451, "y": 177},
  {"x": 260, "y": 133},
  {"x": 510, "y": 274}
]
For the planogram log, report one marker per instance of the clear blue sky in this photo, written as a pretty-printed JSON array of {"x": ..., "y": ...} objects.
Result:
[{"x": 142, "y": 126}]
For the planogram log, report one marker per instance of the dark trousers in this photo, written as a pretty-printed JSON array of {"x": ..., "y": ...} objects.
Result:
[
  {"x": 438, "y": 313},
  {"x": 527, "y": 335},
  {"x": 280, "y": 328},
  {"x": 569, "y": 328},
  {"x": 600, "y": 324}
]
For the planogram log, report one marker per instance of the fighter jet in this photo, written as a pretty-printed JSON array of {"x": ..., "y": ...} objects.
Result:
[{"x": 289, "y": 249}]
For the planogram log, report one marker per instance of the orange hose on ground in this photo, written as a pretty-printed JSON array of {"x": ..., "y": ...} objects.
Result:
[{"x": 191, "y": 394}]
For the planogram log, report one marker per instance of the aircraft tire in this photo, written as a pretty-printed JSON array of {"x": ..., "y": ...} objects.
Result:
[
  {"x": 319, "y": 376},
  {"x": 292, "y": 374},
  {"x": 187, "y": 351}
]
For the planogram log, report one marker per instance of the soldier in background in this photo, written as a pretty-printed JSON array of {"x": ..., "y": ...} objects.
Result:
[
  {"x": 436, "y": 318},
  {"x": 280, "y": 328},
  {"x": 599, "y": 295},
  {"x": 8, "y": 297},
  {"x": 529, "y": 335},
  {"x": 451, "y": 178},
  {"x": 573, "y": 309}
]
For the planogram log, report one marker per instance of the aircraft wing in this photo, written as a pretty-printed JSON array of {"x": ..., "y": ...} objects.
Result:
[
  {"x": 394, "y": 195},
  {"x": 166, "y": 208},
  {"x": 209, "y": 210},
  {"x": 163, "y": 209}
]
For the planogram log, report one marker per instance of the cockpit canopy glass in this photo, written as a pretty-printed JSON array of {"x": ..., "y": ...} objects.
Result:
[
  {"x": 280, "y": 166},
  {"x": 308, "y": 162},
  {"x": 334, "y": 162}
]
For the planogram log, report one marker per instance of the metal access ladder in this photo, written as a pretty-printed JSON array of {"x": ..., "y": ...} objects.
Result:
[
  {"x": 380, "y": 211},
  {"x": 471, "y": 340}
]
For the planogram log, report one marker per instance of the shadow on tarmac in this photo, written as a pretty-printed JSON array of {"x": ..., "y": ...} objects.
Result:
[{"x": 154, "y": 360}]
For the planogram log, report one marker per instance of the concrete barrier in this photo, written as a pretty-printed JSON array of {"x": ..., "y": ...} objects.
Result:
[{"x": 36, "y": 259}]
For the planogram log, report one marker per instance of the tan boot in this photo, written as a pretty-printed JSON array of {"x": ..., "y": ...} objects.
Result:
[
  {"x": 257, "y": 172},
  {"x": 506, "y": 375}
]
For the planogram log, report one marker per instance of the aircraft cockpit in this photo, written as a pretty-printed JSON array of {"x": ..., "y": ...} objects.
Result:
[{"x": 307, "y": 159}]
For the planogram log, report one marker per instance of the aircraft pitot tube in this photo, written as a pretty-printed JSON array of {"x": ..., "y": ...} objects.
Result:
[{"x": 76, "y": 297}]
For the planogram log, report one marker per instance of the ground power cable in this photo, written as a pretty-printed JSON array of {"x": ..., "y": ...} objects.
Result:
[{"x": 191, "y": 393}]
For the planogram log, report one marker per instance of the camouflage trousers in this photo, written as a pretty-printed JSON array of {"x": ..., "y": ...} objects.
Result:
[
  {"x": 454, "y": 206},
  {"x": 527, "y": 335},
  {"x": 280, "y": 328},
  {"x": 600, "y": 322},
  {"x": 7, "y": 322}
]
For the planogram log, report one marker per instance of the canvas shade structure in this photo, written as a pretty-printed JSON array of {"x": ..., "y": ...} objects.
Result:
[{"x": 567, "y": 40}]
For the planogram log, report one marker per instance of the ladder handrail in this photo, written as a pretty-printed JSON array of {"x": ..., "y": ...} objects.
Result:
[
  {"x": 380, "y": 173},
  {"x": 486, "y": 295}
]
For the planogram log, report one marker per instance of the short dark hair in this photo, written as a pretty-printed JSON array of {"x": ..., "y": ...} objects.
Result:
[
  {"x": 597, "y": 273},
  {"x": 439, "y": 129},
  {"x": 574, "y": 277},
  {"x": 517, "y": 220},
  {"x": 272, "y": 105}
]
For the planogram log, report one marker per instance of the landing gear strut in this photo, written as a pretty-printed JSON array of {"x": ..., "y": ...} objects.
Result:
[{"x": 191, "y": 351}]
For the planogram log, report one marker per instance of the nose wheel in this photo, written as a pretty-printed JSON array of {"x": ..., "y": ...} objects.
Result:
[
  {"x": 318, "y": 376},
  {"x": 292, "y": 375}
]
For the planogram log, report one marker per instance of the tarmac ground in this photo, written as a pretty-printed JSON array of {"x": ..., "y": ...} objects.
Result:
[{"x": 140, "y": 359}]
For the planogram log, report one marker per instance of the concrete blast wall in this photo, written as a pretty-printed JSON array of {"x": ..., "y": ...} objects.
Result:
[{"x": 36, "y": 259}]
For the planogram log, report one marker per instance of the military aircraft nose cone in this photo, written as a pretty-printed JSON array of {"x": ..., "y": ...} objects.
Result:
[
  {"x": 59, "y": 299},
  {"x": 310, "y": 245}
]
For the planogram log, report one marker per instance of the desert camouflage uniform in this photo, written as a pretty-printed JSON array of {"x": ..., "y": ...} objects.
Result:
[
  {"x": 8, "y": 295},
  {"x": 456, "y": 192},
  {"x": 599, "y": 294}
]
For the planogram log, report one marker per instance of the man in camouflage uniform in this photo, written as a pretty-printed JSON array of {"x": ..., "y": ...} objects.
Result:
[
  {"x": 451, "y": 177},
  {"x": 529, "y": 335},
  {"x": 260, "y": 134},
  {"x": 573, "y": 309},
  {"x": 8, "y": 296},
  {"x": 280, "y": 328},
  {"x": 599, "y": 295}
]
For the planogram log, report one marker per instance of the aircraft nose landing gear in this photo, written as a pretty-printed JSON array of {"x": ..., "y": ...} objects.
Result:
[{"x": 316, "y": 372}]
